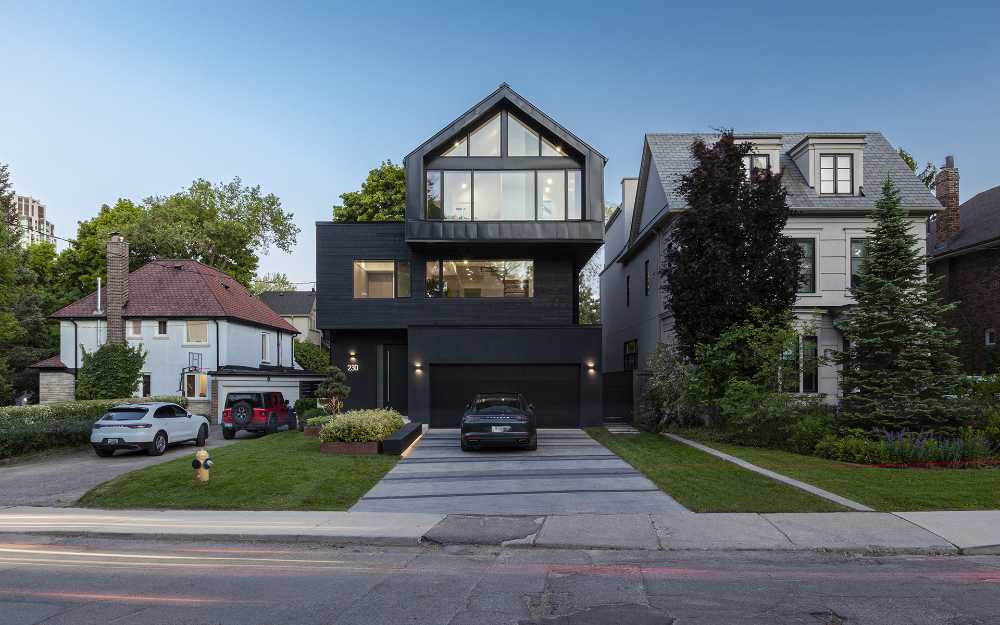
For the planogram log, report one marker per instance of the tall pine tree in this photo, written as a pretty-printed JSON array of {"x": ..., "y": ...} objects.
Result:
[
  {"x": 898, "y": 370},
  {"x": 727, "y": 259}
]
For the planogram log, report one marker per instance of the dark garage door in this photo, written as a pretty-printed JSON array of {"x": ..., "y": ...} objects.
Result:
[{"x": 553, "y": 389}]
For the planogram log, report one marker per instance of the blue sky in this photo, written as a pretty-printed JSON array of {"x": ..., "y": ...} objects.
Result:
[{"x": 121, "y": 100}]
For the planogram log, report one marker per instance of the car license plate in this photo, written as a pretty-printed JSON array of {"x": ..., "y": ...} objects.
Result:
[
  {"x": 112, "y": 441},
  {"x": 501, "y": 428}
]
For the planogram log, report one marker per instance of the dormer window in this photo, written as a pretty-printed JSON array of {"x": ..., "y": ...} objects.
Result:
[
  {"x": 836, "y": 174},
  {"x": 756, "y": 161}
]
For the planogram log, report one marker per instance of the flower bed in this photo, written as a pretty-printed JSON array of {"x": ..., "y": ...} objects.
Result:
[
  {"x": 25, "y": 429},
  {"x": 359, "y": 431}
]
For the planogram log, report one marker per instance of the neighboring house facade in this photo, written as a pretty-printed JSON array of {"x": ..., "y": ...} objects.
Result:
[
  {"x": 204, "y": 334},
  {"x": 298, "y": 308},
  {"x": 963, "y": 243},
  {"x": 476, "y": 291},
  {"x": 34, "y": 227},
  {"x": 832, "y": 180}
]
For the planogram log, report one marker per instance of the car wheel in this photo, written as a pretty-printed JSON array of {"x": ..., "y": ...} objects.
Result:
[
  {"x": 242, "y": 413},
  {"x": 202, "y": 436},
  {"x": 104, "y": 453},
  {"x": 228, "y": 433},
  {"x": 159, "y": 444},
  {"x": 272, "y": 425}
]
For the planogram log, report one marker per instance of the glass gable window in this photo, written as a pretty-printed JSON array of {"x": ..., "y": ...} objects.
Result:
[
  {"x": 504, "y": 196},
  {"x": 551, "y": 149},
  {"x": 858, "y": 249},
  {"x": 807, "y": 266},
  {"x": 458, "y": 195},
  {"x": 381, "y": 279},
  {"x": 551, "y": 195},
  {"x": 480, "y": 278},
  {"x": 521, "y": 140},
  {"x": 461, "y": 148},
  {"x": 485, "y": 140},
  {"x": 432, "y": 192},
  {"x": 836, "y": 174}
]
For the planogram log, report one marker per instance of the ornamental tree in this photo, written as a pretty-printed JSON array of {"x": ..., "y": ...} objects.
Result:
[
  {"x": 898, "y": 370},
  {"x": 726, "y": 255}
]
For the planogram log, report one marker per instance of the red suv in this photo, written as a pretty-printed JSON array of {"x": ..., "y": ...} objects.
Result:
[{"x": 256, "y": 412}]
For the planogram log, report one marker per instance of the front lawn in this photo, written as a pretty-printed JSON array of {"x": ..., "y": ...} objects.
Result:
[
  {"x": 283, "y": 471},
  {"x": 898, "y": 490},
  {"x": 703, "y": 483}
]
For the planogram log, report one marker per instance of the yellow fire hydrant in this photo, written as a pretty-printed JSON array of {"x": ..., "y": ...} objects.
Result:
[{"x": 201, "y": 463}]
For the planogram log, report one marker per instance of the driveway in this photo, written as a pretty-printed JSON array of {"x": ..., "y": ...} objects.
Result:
[
  {"x": 570, "y": 473},
  {"x": 59, "y": 479}
]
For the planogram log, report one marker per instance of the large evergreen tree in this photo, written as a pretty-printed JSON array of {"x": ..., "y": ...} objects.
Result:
[
  {"x": 727, "y": 255},
  {"x": 897, "y": 371}
]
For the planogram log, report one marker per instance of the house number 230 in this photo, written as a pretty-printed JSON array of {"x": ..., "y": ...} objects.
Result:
[{"x": 352, "y": 366}]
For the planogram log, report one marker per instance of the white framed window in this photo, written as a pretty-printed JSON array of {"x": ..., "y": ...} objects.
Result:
[
  {"x": 196, "y": 385},
  {"x": 133, "y": 328},
  {"x": 755, "y": 161},
  {"x": 990, "y": 337},
  {"x": 196, "y": 332},
  {"x": 807, "y": 265},
  {"x": 836, "y": 174},
  {"x": 161, "y": 328},
  {"x": 265, "y": 347}
]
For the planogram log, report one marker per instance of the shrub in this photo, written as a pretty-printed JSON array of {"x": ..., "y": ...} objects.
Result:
[
  {"x": 24, "y": 429},
  {"x": 312, "y": 357},
  {"x": 811, "y": 422},
  {"x": 112, "y": 371},
  {"x": 669, "y": 397},
  {"x": 906, "y": 448},
  {"x": 756, "y": 417},
  {"x": 334, "y": 391},
  {"x": 856, "y": 448},
  {"x": 361, "y": 426},
  {"x": 303, "y": 404},
  {"x": 316, "y": 416}
]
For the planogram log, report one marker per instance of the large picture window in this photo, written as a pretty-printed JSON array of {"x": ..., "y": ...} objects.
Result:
[
  {"x": 381, "y": 279},
  {"x": 487, "y": 195},
  {"x": 480, "y": 278},
  {"x": 807, "y": 265},
  {"x": 836, "y": 174}
]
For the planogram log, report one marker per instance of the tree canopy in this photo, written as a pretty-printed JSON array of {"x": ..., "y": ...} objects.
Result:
[
  {"x": 382, "y": 196},
  {"x": 898, "y": 370},
  {"x": 271, "y": 282},
  {"x": 726, "y": 255}
]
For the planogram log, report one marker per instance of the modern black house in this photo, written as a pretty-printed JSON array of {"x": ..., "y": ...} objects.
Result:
[{"x": 476, "y": 291}]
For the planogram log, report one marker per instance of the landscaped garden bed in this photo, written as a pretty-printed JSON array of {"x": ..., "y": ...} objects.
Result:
[
  {"x": 359, "y": 431},
  {"x": 283, "y": 471}
]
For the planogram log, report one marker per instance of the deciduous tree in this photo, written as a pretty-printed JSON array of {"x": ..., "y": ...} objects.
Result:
[
  {"x": 382, "y": 197},
  {"x": 726, "y": 254}
]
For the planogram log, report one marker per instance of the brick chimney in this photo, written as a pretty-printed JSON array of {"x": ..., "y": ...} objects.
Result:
[
  {"x": 117, "y": 256},
  {"x": 946, "y": 187}
]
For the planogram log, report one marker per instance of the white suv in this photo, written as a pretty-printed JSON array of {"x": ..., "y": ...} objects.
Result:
[{"x": 147, "y": 426}]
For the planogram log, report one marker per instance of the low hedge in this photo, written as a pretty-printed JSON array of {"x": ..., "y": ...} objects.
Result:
[
  {"x": 24, "y": 429},
  {"x": 361, "y": 426}
]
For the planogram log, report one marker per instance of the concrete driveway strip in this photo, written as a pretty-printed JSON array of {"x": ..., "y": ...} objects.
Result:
[
  {"x": 570, "y": 473},
  {"x": 61, "y": 478},
  {"x": 972, "y": 531}
]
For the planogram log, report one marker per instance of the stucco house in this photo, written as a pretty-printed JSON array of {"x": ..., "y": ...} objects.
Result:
[
  {"x": 297, "y": 308},
  {"x": 833, "y": 180},
  {"x": 204, "y": 334}
]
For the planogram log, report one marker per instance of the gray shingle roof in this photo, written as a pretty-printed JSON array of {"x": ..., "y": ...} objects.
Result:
[
  {"x": 980, "y": 222},
  {"x": 289, "y": 302},
  {"x": 672, "y": 155}
]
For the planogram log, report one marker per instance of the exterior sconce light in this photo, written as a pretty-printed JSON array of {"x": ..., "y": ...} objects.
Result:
[
  {"x": 418, "y": 367},
  {"x": 591, "y": 367},
  {"x": 352, "y": 363}
]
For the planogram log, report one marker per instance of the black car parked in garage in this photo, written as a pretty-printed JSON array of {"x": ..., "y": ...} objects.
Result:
[{"x": 499, "y": 419}]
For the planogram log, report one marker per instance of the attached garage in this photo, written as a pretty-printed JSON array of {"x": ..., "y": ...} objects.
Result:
[{"x": 553, "y": 389}]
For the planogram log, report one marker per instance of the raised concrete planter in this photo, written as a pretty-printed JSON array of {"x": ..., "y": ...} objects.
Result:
[
  {"x": 349, "y": 448},
  {"x": 398, "y": 442}
]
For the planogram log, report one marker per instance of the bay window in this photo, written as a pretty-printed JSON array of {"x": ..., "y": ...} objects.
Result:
[{"x": 480, "y": 278}]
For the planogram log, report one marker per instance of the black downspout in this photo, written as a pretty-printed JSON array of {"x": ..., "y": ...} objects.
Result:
[{"x": 217, "y": 365}]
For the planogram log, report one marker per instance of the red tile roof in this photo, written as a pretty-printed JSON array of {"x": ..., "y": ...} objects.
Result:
[
  {"x": 187, "y": 289},
  {"x": 53, "y": 362}
]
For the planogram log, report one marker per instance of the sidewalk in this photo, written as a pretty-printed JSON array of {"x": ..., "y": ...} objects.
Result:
[{"x": 858, "y": 532}]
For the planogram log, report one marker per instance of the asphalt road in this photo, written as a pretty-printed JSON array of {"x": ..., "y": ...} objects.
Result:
[
  {"x": 80, "y": 581},
  {"x": 62, "y": 477}
]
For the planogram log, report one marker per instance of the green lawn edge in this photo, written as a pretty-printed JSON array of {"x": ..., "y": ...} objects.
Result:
[
  {"x": 882, "y": 488},
  {"x": 283, "y": 471},
  {"x": 702, "y": 483}
]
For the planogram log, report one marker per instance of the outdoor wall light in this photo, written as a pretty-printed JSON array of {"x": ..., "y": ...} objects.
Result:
[
  {"x": 418, "y": 367},
  {"x": 591, "y": 367}
]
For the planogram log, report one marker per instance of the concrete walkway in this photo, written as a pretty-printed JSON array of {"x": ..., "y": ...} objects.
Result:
[
  {"x": 570, "y": 473},
  {"x": 856, "y": 532},
  {"x": 778, "y": 477}
]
